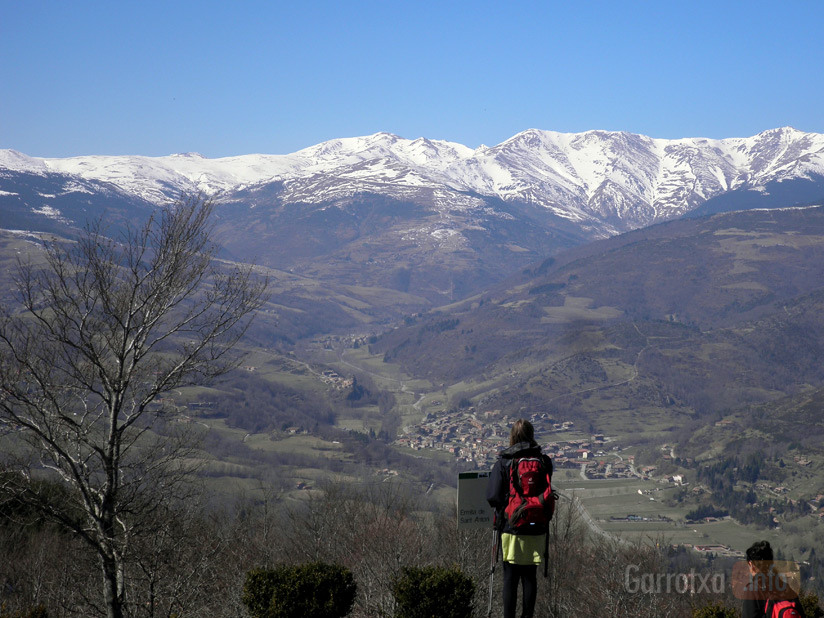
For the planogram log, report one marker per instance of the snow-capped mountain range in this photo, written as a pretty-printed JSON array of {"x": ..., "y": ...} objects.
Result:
[{"x": 611, "y": 181}]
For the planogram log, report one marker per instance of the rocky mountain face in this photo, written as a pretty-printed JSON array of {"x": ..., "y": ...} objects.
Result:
[
  {"x": 611, "y": 179},
  {"x": 434, "y": 219}
]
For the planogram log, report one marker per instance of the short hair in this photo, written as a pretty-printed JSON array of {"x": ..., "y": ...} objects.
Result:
[
  {"x": 760, "y": 551},
  {"x": 522, "y": 431}
]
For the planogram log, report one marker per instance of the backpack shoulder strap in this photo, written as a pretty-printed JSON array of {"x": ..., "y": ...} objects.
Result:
[
  {"x": 514, "y": 479},
  {"x": 547, "y": 461}
]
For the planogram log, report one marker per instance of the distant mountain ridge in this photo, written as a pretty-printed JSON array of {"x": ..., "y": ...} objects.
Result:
[
  {"x": 606, "y": 182},
  {"x": 418, "y": 223}
]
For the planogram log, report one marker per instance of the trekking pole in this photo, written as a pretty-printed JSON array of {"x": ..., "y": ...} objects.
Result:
[
  {"x": 554, "y": 498},
  {"x": 546, "y": 554},
  {"x": 495, "y": 544}
]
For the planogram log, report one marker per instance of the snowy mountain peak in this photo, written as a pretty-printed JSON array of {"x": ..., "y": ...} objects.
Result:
[
  {"x": 19, "y": 162},
  {"x": 612, "y": 178},
  {"x": 188, "y": 155}
]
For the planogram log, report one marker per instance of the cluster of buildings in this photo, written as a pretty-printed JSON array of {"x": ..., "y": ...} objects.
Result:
[
  {"x": 478, "y": 438},
  {"x": 468, "y": 436},
  {"x": 718, "y": 550},
  {"x": 333, "y": 378},
  {"x": 602, "y": 469}
]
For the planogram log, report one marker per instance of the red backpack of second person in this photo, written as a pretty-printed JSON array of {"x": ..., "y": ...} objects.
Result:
[{"x": 784, "y": 609}]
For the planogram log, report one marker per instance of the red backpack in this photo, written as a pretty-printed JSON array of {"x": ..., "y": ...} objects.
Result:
[
  {"x": 784, "y": 609},
  {"x": 531, "y": 504}
]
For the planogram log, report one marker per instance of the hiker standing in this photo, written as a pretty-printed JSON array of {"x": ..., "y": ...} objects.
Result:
[
  {"x": 520, "y": 491},
  {"x": 771, "y": 594},
  {"x": 759, "y": 557}
]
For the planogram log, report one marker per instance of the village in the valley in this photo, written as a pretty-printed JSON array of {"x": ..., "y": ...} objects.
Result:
[
  {"x": 478, "y": 438},
  {"x": 475, "y": 438}
]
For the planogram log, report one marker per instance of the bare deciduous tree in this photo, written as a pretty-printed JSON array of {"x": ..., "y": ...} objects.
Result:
[{"x": 105, "y": 327}]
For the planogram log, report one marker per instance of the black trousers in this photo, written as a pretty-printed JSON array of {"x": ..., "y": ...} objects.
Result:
[{"x": 527, "y": 576}]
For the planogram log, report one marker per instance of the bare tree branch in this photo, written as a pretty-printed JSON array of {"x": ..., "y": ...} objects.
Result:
[{"x": 103, "y": 329}]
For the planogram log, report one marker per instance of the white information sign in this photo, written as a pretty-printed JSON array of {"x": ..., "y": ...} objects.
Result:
[{"x": 473, "y": 509}]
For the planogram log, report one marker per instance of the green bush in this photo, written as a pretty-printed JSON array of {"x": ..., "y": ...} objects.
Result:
[
  {"x": 811, "y": 605},
  {"x": 433, "y": 592},
  {"x": 316, "y": 589}
]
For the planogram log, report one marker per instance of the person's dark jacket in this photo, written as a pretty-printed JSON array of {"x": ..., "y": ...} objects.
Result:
[
  {"x": 497, "y": 489},
  {"x": 753, "y": 608}
]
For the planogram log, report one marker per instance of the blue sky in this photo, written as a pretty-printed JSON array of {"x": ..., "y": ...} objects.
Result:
[{"x": 228, "y": 78}]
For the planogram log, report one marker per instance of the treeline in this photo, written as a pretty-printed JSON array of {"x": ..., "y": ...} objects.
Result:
[
  {"x": 258, "y": 405},
  {"x": 704, "y": 511},
  {"x": 724, "y": 479},
  {"x": 725, "y": 474},
  {"x": 196, "y": 561}
]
